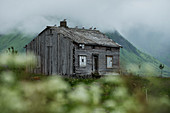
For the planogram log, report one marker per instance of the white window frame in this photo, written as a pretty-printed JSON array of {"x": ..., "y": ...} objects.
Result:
[
  {"x": 109, "y": 62},
  {"x": 82, "y": 46},
  {"x": 82, "y": 60}
]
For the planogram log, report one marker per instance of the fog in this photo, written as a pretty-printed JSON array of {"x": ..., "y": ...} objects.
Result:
[{"x": 137, "y": 20}]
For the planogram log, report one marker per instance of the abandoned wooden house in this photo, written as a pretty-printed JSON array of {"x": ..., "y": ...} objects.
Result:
[{"x": 68, "y": 51}]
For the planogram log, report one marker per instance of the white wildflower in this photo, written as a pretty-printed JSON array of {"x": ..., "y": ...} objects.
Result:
[
  {"x": 80, "y": 94},
  {"x": 95, "y": 92},
  {"x": 112, "y": 79},
  {"x": 56, "y": 83},
  {"x": 120, "y": 92},
  {"x": 110, "y": 104},
  {"x": 8, "y": 77}
]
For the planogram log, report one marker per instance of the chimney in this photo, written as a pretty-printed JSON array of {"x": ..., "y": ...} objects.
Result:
[{"x": 63, "y": 23}]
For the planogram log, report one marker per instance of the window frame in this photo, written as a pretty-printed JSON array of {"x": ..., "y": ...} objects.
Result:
[
  {"x": 81, "y": 46},
  {"x": 111, "y": 56},
  {"x": 82, "y": 66}
]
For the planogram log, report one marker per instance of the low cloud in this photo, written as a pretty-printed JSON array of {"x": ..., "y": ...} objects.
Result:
[
  {"x": 127, "y": 16},
  {"x": 33, "y": 15}
]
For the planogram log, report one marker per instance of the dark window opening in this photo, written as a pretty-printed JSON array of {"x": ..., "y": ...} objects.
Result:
[
  {"x": 51, "y": 31},
  {"x": 108, "y": 48},
  {"x": 95, "y": 63},
  {"x": 74, "y": 67},
  {"x": 93, "y": 47}
]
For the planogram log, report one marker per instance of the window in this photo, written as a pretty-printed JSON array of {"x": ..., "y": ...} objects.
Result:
[
  {"x": 82, "y": 61},
  {"x": 109, "y": 61},
  {"x": 51, "y": 31},
  {"x": 93, "y": 47},
  {"x": 81, "y": 46}
]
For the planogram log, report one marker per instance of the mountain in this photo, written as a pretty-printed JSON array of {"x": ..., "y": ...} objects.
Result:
[
  {"x": 131, "y": 59},
  {"x": 154, "y": 43},
  {"x": 16, "y": 39},
  {"x": 134, "y": 60}
]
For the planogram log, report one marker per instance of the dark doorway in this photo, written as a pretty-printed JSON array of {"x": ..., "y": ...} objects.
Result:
[
  {"x": 95, "y": 63},
  {"x": 74, "y": 67}
]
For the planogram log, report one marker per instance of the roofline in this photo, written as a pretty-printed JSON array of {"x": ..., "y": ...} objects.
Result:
[
  {"x": 94, "y": 44},
  {"x": 48, "y": 27},
  {"x": 104, "y": 45}
]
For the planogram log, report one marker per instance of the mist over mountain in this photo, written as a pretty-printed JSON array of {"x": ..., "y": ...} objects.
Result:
[
  {"x": 151, "y": 42},
  {"x": 144, "y": 22}
]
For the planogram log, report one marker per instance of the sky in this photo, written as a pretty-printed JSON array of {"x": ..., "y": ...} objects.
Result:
[{"x": 137, "y": 20}]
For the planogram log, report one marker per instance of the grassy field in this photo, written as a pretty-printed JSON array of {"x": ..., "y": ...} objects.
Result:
[{"x": 155, "y": 86}]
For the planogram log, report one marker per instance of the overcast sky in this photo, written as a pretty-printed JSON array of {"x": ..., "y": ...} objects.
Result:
[{"x": 127, "y": 16}]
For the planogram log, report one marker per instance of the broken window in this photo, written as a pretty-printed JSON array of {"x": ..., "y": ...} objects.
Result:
[
  {"x": 109, "y": 61},
  {"x": 81, "y": 46},
  {"x": 82, "y": 61}
]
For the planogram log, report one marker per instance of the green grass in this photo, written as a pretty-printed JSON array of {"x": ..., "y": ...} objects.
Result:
[{"x": 156, "y": 86}]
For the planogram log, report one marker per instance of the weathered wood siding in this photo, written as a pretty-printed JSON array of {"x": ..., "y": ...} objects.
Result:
[
  {"x": 57, "y": 54},
  {"x": 54, "y": 51},
  {"x": 102, "y": 53}
]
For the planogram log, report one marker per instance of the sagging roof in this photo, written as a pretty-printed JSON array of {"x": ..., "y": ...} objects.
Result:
[{"x": 85, "y": 36}]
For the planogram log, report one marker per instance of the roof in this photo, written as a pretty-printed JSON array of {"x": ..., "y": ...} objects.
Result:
[{"x": 86, "y": 36}]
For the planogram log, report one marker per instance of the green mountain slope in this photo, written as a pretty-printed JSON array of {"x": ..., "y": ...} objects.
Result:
[
  {"x": 133, "y": 60},
  {"x": 152, "y": 42},
  {"x": 130, "y": 57},
  {"x": 17, "y": 40}
]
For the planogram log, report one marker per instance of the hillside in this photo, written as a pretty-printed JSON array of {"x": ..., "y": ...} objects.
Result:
[
  {"x": 153, "y": 43},
  {"x": 130, "y": 58},
  {"x": 17, "y": 40}
]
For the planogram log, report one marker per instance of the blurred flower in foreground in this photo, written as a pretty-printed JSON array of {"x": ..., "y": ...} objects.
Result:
[
  {"x": 55, "y": 95},
  {"x": 7, "y": 78},
  {"x": 112, "y": 79},
  {"x": 80, "y": 94},
  {"x": 17, "y": 60}
]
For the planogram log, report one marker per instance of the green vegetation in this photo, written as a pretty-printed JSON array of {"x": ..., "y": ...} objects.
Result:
[
  {"x": 110, "y": 94},
  {"x": 131, "y": 58},
  {"x": 16, "y": 39}
]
